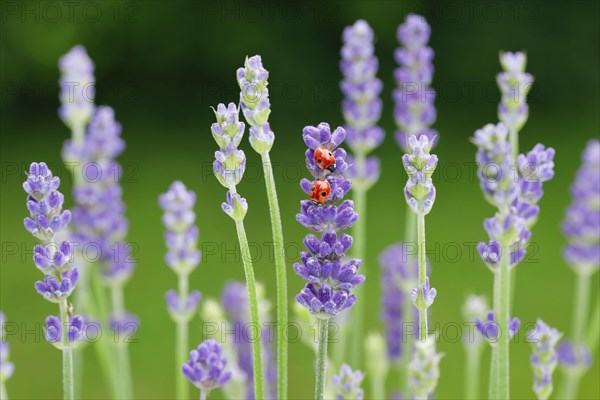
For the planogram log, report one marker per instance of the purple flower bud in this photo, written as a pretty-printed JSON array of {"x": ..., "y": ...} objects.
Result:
[
  {"x": 574, "y": 357},
  {"x": 228, "y": 128},
  {"x": 346, "y": 385},
  {"x": 544, "y": 357},
  {"x": 75, "y": 330},
  {"x": 206, "y": 366},
  {"x": 77, "y": 90},
  {"x": 235, "y": 206},
  {"x": 7, "y": 368},
  {"x": 514, "y": 85},
  {"x": 490, "y": 330},
  {"x": 423, "y": 295},
  {"x": 56, "y": 290},
  {"x": 182, "y": 310}
]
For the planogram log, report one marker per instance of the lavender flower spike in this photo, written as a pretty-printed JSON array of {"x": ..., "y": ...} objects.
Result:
[
  {"x": 419, "y": 165},
  {"x": 581, "y": 225},
  {"x": 347, "y": 384},
  {"x": 77, "y": 88},
  {"x": 424, "y": 369},
  {"x": 206, "y": 367},
  {"x": 362, "y": 105},
  {"x": 544, "y": 358},
  {"x": 414, "y": 97},
  {"x": 514, "y": 84},
  {"x": 7, "y": 368}
]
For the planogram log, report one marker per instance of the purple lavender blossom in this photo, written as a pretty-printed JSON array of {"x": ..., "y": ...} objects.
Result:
[
  {"x": 544, "y": 357},
  {"x": 581, "y": 225},
  {"x": 255, "y": 104},
  {"x": 573, "y": 357},
  {"x": 490, "y": 329},
  {"x": 77, "y": 88},
  {"x": 206, "y": 366},
  {"x": 75, "y": 330},
  {"x": 362, "y": 105},
  {"x": 420, "y": 165},
  {"x": 428, "y": 294},
  {"x": 514, "y": 85},
  {"x": 330, "y": 280},
  {"x": 124, "y": 326},
  {"x": 414, "y": 97},
  {"x": 346, "y": 385},
  {"x": 185, "y": 308},
  {"x": 55, "y": 290}
]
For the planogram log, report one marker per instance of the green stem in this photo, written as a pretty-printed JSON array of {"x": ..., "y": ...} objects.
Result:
[
  {"x": 123, "y": 365},
  {"x": 494, "y": 383},
  {"x": 580, "y": 313},
  {"x": 594, "y": 329},
  {"x": 359, "y": 234},
  {"x": 182, "y": 387},
  {"x": 514, "y": 143},
  {"x": 410, "y": 230},
  {"x": 3, "y": 394},
  {"x": 203, "y": 394},
  {"x": 67, "y": 353},
  {"x": 252, "y": 299},
  {"x": 472, "y": 371},
  {"x": 377, "y": 386},
  {"x": 422, "y": 257},
  {"x": 280, "y": 271},
  {"x": 321, "y": 357},
  {"x": 503, "y": 372}
]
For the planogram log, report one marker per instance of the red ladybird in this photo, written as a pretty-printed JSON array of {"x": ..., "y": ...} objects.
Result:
[
  {"x": 320, "y": 191},
  {"x": 325, "y": 159}
]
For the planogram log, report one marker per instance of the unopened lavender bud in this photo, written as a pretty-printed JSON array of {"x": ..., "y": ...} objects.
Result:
[
  {"x": 490, "y": 329},
  {"x": 423, "y": 295},
  {"x": 262, "y": 138},
  {"x": 182, "y": 309},
  {"x": 57, "y": 290},
  {"x": 206, "y": 366},
  {"x": 346, "y": 384},
  {"x": 228, "y": 128},
  {"x": 490, "y": 254},
  {"x": 514, "y": 85},
  {"x": 574, "y": 358},
  {"x": 235, "y": 206},
  {"x": 7, "y": 368},
  {"x": 77, "y": 90},
  {"x": 544, "y": 359},
  {"x": 423, "y": 369},
  {"x": 75, "y": 331}
]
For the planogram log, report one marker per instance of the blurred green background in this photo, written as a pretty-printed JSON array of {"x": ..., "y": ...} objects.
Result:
[{"x": 162, "y": 64}]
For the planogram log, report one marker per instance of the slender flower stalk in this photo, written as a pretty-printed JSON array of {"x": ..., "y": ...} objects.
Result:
[
  {"x": 514, "y": 84},
  {"x": 377, "y": 364},
  {"x": 47, "y": 221},
  {"x": 582, "y": 253},
  {"x": 7, "y": 368},
  {"x": 544, "y": 358},
  {"x": 515, "y": 195},
  {"x": 254, "y": 102},
  {"x": 414, "y": 113},
  {"x": 362, "y": 109},
  {"x": 475, "y": 307},
  {"x": 182, "y": 257},
  {"x": 206, "y": 367},
  {"x": 330, "y": 279},
  {"x": 229, "y": 166}
]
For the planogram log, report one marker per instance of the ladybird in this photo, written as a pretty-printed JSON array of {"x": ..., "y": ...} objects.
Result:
[
  {"x": 320, "y": 192},
  {"x": 325, "y": 159}
]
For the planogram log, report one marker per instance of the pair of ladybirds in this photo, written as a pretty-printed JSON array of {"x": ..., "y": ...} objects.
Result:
[{"x": 322, "y": 188}]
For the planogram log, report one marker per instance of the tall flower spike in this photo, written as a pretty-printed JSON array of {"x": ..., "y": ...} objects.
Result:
[
  {"x": 77, "y": 88},
  {"x": 414, "y": 97},
  {"x": 362, "y": 105},
  {"x": 544, "y": 357},
  {"x": 514, "y": 85},
  {"x": 329, "y": 278},
  {"x": 424, "y": 370},
  {"x": 206, "y": 367},
  {"x": 347, "y": 384},
  {"x": 581, "y": 225}
]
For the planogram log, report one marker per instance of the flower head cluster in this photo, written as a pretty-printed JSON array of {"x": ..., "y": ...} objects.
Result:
[
  {"x": 230, "y": 162},
  {"x": 582, "y": 219},
  {"x": 75, "y": 331},
  {"x": 7, "y": 368},
  {"x": 77, "y": 90},
  {"x": 206, "y": 366},
  {"x": 346, "y": 385},
  {"x": 420, "y": 165},
  {"x": 423, "y": 369},
  {"x": 362, "y": 105},
  {"x": 514, "y": 85},
  {"x": 414, "y": 97},
  {"x": 181, "y": 237},
  {"x": 544, "y": 358},
  {"x": 255, "y": 104},
  {"x": 475, "y": 308},
  {"x": 490, "y": 329},
  {"x": 234, "y": 299},
  {"x": 514, "y": 193},
  {"x": 574, "y": 358},
  {"x": 330, "y": 279}
]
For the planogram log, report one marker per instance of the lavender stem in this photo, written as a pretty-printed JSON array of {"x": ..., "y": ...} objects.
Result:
[
  {"x": 280, "y": 271},
  {"x": 252, "y": 300},
  {"x": 594, "y": 328},
  {"x": 203, "y": 394},
  {"x": 409, "y": 240},
  {"x": 502, "y": 309},
  {"x": 3, "y": 394},
  {"x": 422, "y": 272},
  {"x": 67, "y": 353},
  {"x": 182, "y": 389},
  {"x": 323, "y": 332}
]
